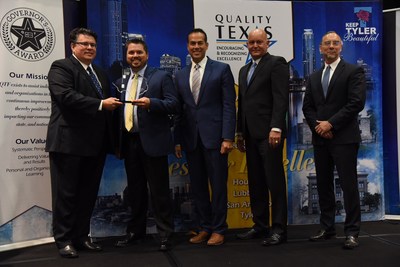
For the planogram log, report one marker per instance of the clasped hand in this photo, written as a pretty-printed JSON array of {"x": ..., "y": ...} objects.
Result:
[{"x": 324, "y": 129}]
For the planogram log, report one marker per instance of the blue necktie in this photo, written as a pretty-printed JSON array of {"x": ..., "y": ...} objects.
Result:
[
  {"x": 251, "y": 71},
  {"x": 325, "y": 79},
  {"x": 95, "y": 81}
]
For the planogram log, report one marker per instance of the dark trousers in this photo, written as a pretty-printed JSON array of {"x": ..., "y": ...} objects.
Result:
[
  {"x": 344, "y": 157},
  {"x": 75, "y": 183},
  {"x": 143, "y": 170},
  {"x": 267, "y": 183},
  {"x": 208, "y": 167}
]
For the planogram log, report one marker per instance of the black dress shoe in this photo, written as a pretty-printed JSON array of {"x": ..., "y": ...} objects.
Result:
[
  {"x": 351, "y": 242},
  {"x": 88, "y": 245},
  {"x": 164, "y": 245},
  {"x": 274, "y": 239},
  {"x": 322, "y": 235},
  {"x": 68, "y": 252},
  {"x": 128, "y": 239},
  {"x": 251, "y": 234}
]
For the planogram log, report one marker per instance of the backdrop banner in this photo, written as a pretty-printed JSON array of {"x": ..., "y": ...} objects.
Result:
[
  {"x": 295, "y": 30},
  {"x": 391, "y": 98},
  {"x": 227, "y": 30},
  {"x": 396, "y": 191},
  {"x": 32, "y": 36}
]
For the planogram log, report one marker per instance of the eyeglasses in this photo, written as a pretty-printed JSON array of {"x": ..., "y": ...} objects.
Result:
[
  {"x": 86, "y": 44},
  {"x": 334, "y": 43}
]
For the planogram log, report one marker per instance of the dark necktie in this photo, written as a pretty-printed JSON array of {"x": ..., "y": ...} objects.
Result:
[
  {"x": 95, "y": 81},
  {"x": 251, "y": 71},
  {"x": 325, "y": 79},
  {"x": 196, "y": 83}
]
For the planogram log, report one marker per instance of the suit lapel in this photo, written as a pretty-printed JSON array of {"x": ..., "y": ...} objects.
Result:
[
  {"x": 319, "y": 82},
  {"x": 244, "y": 76},
  {"x": 261, "y": 64},
  {"x": 187, "y": 90},
  {"x": 146, "y": 80},
  {"x": 86, "y": 75},
  {"x": 339, "y": 69},
  {"x": 103, "y": 82},
  {"x": 206, "y": 76}
]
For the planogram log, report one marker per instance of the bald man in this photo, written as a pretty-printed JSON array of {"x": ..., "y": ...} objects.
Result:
[{"x": 261, "y": 130}]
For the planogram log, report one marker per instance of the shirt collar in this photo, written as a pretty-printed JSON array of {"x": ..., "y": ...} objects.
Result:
[
  {"x": 83, "y": 64},
  {"x": 140, "y": 72},
  {"x": 333, "y": 64},
  {"x": 255, "y": 61},
  {"x": 202, "y": 63}
]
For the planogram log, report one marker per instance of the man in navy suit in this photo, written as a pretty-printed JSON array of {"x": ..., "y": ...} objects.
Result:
[
  {"x": 332, "y": 114},
  {"x": 145, "y": 142},
  {"x": 205, "y": 130},
  {"x": 261, "y": 129},
  {"x": 78, "y": 136}
]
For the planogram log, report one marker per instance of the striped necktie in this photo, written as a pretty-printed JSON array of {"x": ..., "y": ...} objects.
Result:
[{"x": 196, "y": 83}]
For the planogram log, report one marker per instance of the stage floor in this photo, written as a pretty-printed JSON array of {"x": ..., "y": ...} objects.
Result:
[{"x": 379, "y": 246}]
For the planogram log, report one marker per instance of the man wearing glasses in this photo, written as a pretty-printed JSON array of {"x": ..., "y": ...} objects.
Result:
[
  {"x": 334, "y": 96},
  {"x": 78, "y": 138}
]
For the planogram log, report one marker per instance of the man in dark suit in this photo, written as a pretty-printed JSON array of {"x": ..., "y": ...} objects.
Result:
[
  {"x": 78, "y": 136},
  {"x": 145, "y": 141},
  {"x": 205, "y": 130},
  {"x": 261, "y": 130},
  {"x": 332, "y": 114}
]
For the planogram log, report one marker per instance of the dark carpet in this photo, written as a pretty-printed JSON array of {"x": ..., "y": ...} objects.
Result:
[{"x": 379, "y": 246}]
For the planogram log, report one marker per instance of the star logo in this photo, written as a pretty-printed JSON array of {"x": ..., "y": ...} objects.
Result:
[{"x": 28, "y": 35}]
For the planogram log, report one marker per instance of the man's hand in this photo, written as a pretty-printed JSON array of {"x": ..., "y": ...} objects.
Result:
[
  {"x": 274, "y": 139},
  {"x": 143, "y": 102},
  {"x": 323, "y": 127},
  {"x": 241, "y": 144},
  {"x": 226, "y": 146},
  {"x": 111, "y": 103},
  {"x": 178, "y": 151},
  {"x": 328, "y": 135}
]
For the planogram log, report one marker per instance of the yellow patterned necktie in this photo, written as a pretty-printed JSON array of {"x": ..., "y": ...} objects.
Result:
[{"x": 129, "y": 106}]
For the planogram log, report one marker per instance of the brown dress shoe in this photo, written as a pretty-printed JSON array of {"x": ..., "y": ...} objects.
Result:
[
  {"x": 215, "y": 240},
  {"x": 201, "y": 237}
]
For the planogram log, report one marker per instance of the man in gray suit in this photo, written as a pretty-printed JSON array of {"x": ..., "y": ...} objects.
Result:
[{"x": 334, "y": 96}]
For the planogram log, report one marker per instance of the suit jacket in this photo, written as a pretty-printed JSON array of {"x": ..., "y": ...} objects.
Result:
[
  {"x": 154, "y": 123},
  {"x": 344, "y": 100},
  {"x": 76, "y": 125},
  {"x": 214, "y": 116},
  {"x": 263, "y": 103}
]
